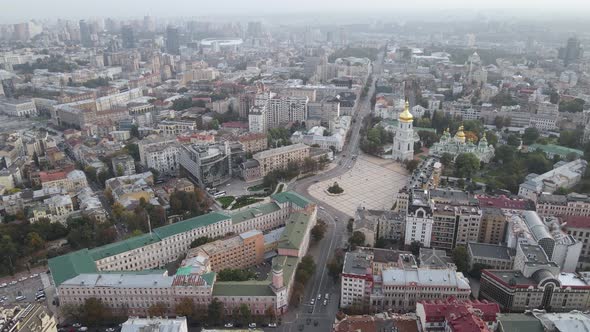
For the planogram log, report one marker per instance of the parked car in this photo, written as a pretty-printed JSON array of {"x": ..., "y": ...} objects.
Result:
[
  {"x": 272, "y": 325},
  {"x": 325, "y": 302},
  {"x": 228, "y": 325},
  {"x": 83, "y": 329},
  {"x": 252, "y": 325},
  {"x": 319, "y": 296},
  {"x": 3, "y": 285},
  {"x": 13, "y": 282},
  {"x": 312, "y": 302}
]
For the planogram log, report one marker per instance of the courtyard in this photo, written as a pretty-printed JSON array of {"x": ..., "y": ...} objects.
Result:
[{"x": 372, "y": 183}]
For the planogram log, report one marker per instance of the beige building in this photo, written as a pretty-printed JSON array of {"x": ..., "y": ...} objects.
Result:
[
  {"x": 279, "y": 158},
  {"x": 238, "y": 252},
  {"x": 493, "y": 225},
  {"x": 253, "y": 142},
  {"x": 563, "y": 205},
  {"x": 33, "y": 318}
]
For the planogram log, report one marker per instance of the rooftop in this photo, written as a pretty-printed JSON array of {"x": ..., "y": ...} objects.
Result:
[
  {"x": 493, "y": 251},
  {"x": 295, "y": 230},
  {"x": 135, "y": 324},
  {"x": 425, "y": 277},
  {"x": 70, "y": 265},
  {"x": 357, "y": 263},
  {"x": 281, "y": 150}
]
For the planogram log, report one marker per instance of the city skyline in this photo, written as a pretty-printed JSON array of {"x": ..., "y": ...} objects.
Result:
[{"x": 37, "y": 9}]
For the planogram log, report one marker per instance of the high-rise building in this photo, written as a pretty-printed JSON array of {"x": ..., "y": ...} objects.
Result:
[
  {"x": 21, "y": 31},
  {"x": 403, "y": 144},
  {"x": 172, "y": 40},
  {"x": 572, "y": 51},
  {"x": 85, "y": 37},
  {"x": 254, "y": 29},
  {"x": 128, "y": 36},
  {"x": 149, "y": 24}
]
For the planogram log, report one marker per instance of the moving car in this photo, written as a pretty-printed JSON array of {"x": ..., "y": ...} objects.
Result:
[
  {"x": 272, "y": 325},
  {"x": 312, "y": 302}
]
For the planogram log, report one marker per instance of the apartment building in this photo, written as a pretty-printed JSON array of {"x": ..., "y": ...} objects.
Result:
[
  {"x": 135, "y": 293},
  {"x": 454, "y": 225},
  {"x": 176, "y": 127},
  {"x": 579, "y": 228},
  {"x": 563, "y": 175},
  {"x": 457, "y": 315},
  {"x": 123, "y": 165},
  {"x": 419, "y": 219},
  {"x": 208, "y": 164},
  {"x": 492, "y": 226},
  {"x": 497, "y": 257},
  {"x": 89, "y": 273},
  {"x": 18, "y": 107},
  {"x": 161, "y": 155},
  {"x": 396, "y": 287},
  {"x": 279, "y": 158},
  {"x": 69, "y": 181},
  {"x": 238, "y": 252},
  {"x": 32, "y": 317},
  {"x": 270, "y": 111},
  {"x": 167, "y": 243},
  {"x": 253, "y": 142},
  {"x": 136, "y": 324},
  {"x": 130, "y": 189},
  {"x": 535, "y": 283},
  {"x": 563, "y": 205}
]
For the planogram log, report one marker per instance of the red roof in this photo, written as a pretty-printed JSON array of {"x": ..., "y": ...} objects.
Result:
[
  {"x": 452, "y": 308},
  {"x": 52, "y": 176},
  {"x": 467, "y": 323},
  {"x": 252, "y": 137},
  {"x": 235, "y": 124},
  {"x": 503, "y": 202},
  {"x": 576, "y": 221}
]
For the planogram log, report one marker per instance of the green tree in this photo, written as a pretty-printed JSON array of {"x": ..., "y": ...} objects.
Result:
[
  {"x": 475, "y": 272},
  {"x": 356, "y": 239},
  {"x": 215, "y": 312},
  {"x": 350, "y": 225},
  {"x": 492, "y": 138},
  {"x": 513, "y": 140},
  {"x": 159, "y": 309},
  {"x": 530, "y": 136},
  {"x": 186, "y": 308},
  {"x": 270, "y": 314},
  {"x": 411, "y": 165},
  {"x": 244, "y": 314},
  {"x": 200, "y": 241},
  {"x": 318, "y": 231},
  {"x": 571, "y": 138},
  {"x": 461, "y": 259},
  {"x": 133, "y": 150},
  {"x": 8, "y": 256},
  {"x": 446, "y": 159},
  {"x": 415, "y": 248},
  {"x": 428, "y": 138},
  {"x": 505, "y": 154},
  {"x": 466, "y": 165},
  {"x": 35, "y": 242},
  {"x": 94, "y": 312}
]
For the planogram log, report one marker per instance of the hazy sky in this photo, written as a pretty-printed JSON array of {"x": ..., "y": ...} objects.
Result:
[{"x": 25, "y": 9}]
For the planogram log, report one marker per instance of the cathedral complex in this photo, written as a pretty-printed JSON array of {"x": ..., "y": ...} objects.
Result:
[{"x": 458, "y": 145}]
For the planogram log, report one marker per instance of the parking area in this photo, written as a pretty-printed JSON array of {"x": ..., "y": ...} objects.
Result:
[
  {"x": 372, "y": 183},
  {"x": 27, "y": 288}
]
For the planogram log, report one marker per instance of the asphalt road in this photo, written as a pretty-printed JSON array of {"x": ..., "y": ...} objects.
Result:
[{"x": 306, "y": 316}]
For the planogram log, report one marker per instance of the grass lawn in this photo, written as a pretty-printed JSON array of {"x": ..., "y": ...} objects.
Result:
[
  {"x": 245, "y": 201},
  {"x": 225, "y": 201},
  {"x": 258, "y": 187}
]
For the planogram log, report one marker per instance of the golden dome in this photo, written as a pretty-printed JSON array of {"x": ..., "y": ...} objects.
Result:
[
  {"x": 460, "y": 133},
  {"x": 406, "y": 116}
]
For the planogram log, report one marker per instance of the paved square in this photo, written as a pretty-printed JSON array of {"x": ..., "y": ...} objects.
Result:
[{"x": 372, "y": 183}]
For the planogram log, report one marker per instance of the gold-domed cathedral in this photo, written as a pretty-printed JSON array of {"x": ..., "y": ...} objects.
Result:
[
  {"x": 457, "y": 145},
  {"x": 403, "y": 141}
]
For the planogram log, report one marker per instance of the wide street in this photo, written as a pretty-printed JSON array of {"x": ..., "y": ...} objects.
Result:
[{"x": 305, "y": 317}]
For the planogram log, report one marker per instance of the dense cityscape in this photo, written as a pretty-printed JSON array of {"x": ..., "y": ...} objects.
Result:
[{"x": 306, "y": 172}]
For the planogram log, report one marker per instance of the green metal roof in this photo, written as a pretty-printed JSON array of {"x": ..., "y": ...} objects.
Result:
[
  {"x": 184, "y": 271},
  {"x": 123, "y": 246},
  {"x": 243, "y": 288},
  {"x": 68, "y": 266},
  {"x": 257, "y": 288},
  {"x": 293, "y": 197},
  {"x": 555, "y": 149},
  {"x": 519, "y": 323},
  {"x": 295, "y": 229},
  {"x": 189, "y": 224},
  {"x": 209, "y": 277},
  {"x": 252, "y": 212}
]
